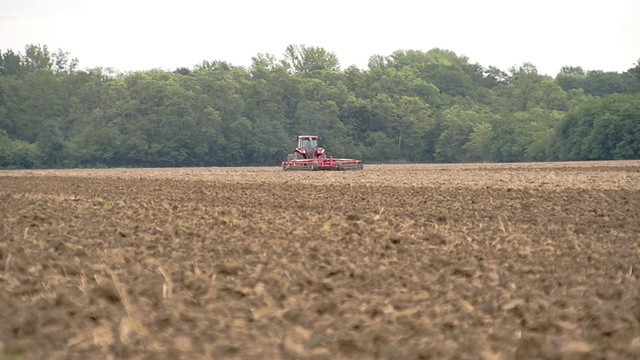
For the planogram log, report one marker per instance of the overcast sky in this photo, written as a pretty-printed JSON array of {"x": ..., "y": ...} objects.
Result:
[{"x": 142, "y": 34}]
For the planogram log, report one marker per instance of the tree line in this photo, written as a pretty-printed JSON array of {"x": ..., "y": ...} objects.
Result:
[{"x": 409, "y": 106}]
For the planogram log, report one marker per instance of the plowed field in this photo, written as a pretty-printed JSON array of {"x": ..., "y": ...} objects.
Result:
[{"x": 499, "y": 261}]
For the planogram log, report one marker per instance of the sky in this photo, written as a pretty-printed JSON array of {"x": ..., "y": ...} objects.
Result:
[{"x": 132, "y": 35}]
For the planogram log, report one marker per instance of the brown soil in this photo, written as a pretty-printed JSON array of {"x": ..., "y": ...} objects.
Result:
[{"x": 512, "y": 261}]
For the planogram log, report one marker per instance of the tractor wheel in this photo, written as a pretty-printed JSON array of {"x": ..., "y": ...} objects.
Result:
[{"x": 315, "y": 166}]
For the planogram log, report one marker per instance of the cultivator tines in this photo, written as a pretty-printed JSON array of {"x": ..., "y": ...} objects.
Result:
[{"x": 329, "y": 163}]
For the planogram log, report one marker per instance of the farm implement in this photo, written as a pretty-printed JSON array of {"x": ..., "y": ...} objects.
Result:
[{"x": 309, "y": 156}]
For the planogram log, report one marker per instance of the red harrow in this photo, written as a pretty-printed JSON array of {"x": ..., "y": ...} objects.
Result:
[{"x": 308, "y": 156}]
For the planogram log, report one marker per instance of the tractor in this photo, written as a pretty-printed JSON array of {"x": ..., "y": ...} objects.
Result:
[{"x": 309, "y": 156}]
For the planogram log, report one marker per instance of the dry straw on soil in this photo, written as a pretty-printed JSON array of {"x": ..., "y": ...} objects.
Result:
[{"x": 486, "y": 261}]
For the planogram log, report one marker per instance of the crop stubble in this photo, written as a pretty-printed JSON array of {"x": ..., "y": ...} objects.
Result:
[{"x": 489, "y": 261}]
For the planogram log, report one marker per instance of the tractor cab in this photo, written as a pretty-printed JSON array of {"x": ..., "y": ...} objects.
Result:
[
  {"x": 307, "y": 142},
  {"x": 308, "y": 148}
]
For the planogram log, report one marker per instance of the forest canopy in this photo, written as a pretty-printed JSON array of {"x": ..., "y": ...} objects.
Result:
[{"x": 408, "y": 106}]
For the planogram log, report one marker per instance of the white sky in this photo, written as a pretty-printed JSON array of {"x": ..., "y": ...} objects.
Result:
[{"x": 143, "y": 34}]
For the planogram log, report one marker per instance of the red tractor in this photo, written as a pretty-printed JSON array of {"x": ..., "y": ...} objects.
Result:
[{"x": 309, "y": 156}]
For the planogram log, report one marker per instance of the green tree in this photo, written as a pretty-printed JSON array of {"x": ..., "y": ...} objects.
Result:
[
  {"x": 415, "y": 123},
  {"x": 11, "y": 63},
  {"x": 479, "y": 146},
  {"x": 571, "y": 77},
  {"x": 96, "y": 146},
  {"x": 407, "y": 106},
  {"x": 465, "y": 134},
  {"x": 305, "y": 60},
  {"x": 523, "y": 90},
  {"x": 635, "y": 71},
  {"x": 62, "y": 63},
  {"x": 602, "y": 83},
  {"x": 601, "y": 129},
  {"x": 16, "y": 153},
  {"x": 51, "y": 145},
  {"x": 37, "y": 57},
  {"x": 380, "y": 148}
]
